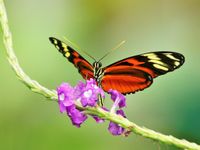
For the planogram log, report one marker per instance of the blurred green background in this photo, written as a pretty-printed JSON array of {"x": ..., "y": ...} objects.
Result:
[{"x": 171, "y": 105}]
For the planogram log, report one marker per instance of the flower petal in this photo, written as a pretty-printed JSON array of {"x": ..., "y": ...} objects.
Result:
[
  {"x": 90, "y": 93},
  {"x": 118, "y": 98},
  {"x": 77, "y": 117},
  {"x": 62, "y": 107},
  {"x": 98, "y": 120},
  {"x": 116, "y": 129}
]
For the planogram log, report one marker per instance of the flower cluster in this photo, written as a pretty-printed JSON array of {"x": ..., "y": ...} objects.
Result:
[
  {"x": 87, "y": 94},
  {"x": 119, "y": 101}
]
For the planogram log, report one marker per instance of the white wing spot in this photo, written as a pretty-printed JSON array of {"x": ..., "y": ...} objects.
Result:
[
  {"x": 67, "y": 54},
  {"x": 176, "y": 63},
  {"x": 55, "y": 42},
  {"x": 151, "y": 56},
  {"x": 160, "y": 67},
  {"x": 64, "y": 45},
  {"x": 156, "y": 62},
  {"x": 171, "y": 57},
  {"x": 57, "y": 47}
]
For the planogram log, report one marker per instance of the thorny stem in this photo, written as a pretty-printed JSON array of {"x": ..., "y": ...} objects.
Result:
[{"x": 51, "y": 94}]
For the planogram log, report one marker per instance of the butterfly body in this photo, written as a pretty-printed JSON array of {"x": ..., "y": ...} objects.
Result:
[
  {"x": 98, "y": 71},
  {"x": 129, "y": 75}
]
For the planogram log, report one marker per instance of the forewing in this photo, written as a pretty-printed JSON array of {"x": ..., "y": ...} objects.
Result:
[
  {"x": 83, "y": 66},
  {"x": 139, "y": 67}
]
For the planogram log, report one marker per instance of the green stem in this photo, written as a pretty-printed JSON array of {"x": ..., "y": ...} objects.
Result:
[
  {"x": 51, "y": 94},
  {"x": 7, "y": 38}
]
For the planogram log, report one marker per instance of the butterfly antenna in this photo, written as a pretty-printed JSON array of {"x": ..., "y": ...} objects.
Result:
[
  {"x": 76, "y": 46},
  {"x": 114, "y": 48}
]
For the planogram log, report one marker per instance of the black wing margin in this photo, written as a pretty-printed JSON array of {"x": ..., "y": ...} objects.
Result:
[{"x": 83, "y": 66}]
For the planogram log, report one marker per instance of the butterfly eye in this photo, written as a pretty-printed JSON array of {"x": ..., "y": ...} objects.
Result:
[
  {"x": 94, "y": 64},
  {"x": 100, "y": 64}
]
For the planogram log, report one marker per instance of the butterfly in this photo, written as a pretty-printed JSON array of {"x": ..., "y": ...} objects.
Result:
[{"x": 128, "y": 75}]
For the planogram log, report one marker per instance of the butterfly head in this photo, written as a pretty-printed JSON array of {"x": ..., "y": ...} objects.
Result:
[{"x": 97, "y": 64}]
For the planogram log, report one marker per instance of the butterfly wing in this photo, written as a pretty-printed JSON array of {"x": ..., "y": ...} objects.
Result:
[
  {"x": 83, "y": 66},
  {"x": 137, "y": 72},
  {"x": 126, "y": 80}
]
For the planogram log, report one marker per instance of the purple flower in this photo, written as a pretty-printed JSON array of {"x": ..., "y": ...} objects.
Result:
[
  {"x": 87, "y": 93},
  {"x": 117, "y": 97},
  {"x": 77, "y": 117},
  {"x": 121, "y": 113},
  {"x": 79, "y": 88},
  {"x": 65, "y": 96},
  {"x": 90, "y": 93},
  {"x": 66, "y": 100},
  {"x": 116, "y": 129},
  {"x": 97, "y": 119}
]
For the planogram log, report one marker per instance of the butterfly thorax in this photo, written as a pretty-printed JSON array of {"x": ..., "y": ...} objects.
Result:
[{"x": 98, "y": 71}]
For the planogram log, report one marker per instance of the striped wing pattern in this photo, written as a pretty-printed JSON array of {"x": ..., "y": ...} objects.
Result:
[
  {"x": 128, "y": 75},
  {"x": 83, "y": 66},
  {"x": 137, "y": 72}
]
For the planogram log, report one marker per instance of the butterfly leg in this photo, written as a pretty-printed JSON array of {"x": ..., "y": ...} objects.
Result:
[
  {"x": 100, "y": 101},
  {"x": 100, "y": 98}
]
